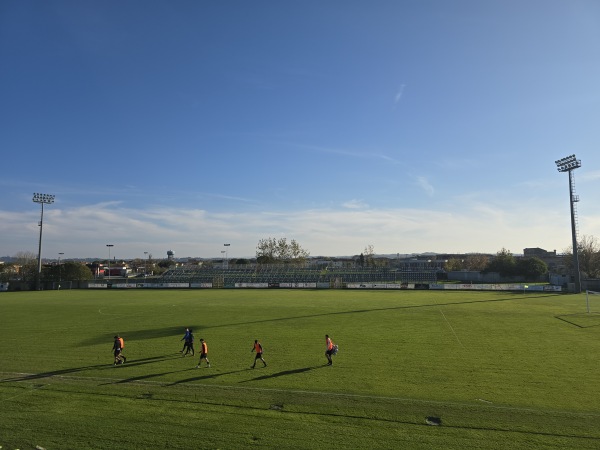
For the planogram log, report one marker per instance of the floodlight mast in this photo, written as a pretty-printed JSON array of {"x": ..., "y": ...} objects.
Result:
[
  {"x": 59, "y": 272},
  {"x": 568, "y": 164},
  {"x": 226, "y": 255},
  {"x": 109, "y": 246},
  {"x": 41, "y": 199}
]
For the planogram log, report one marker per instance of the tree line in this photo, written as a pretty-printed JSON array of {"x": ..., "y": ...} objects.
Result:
[
  {"x": 282, "y": 251},
  {"x": 504, "y": 263},
  {"x": 588, "y": 252}
]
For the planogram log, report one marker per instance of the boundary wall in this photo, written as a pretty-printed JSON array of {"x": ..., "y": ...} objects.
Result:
[
  {"x": 388, "y": 286},
  {"x": 497, "y": 287}
]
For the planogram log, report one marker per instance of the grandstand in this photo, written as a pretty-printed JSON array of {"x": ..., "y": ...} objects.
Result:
[{"x": 278, "y": 274}]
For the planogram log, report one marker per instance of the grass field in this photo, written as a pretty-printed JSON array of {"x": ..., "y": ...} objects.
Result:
[{"x": 493, "y": 370}]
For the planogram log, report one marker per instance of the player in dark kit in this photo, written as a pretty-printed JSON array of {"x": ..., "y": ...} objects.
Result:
[
  {"x": 185, "y": 339},
  {"x": 189, "y": 343}
]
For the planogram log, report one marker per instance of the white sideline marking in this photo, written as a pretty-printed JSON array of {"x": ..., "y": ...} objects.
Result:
[
  {"x": 450, "y": 325},
  {"x": 20, "y": 394},
  {"x": 453, "y": 332},
  {"x": 166, "y": 384}
]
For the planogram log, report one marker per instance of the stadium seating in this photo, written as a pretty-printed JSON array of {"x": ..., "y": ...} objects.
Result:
[{"x": 268, "y": 273}]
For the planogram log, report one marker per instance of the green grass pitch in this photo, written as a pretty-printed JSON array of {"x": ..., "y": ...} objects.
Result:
[{"x": 416, "y": 369}]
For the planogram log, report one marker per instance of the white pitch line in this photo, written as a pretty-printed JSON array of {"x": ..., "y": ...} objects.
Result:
[
  {"x": 454, "y": 332},
  {"x": 20, "y": 394}
]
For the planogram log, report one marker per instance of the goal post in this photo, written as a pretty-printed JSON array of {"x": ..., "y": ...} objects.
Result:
[
  {"x": 58, "y": 285},
  {"x": 589, "y": 294}
]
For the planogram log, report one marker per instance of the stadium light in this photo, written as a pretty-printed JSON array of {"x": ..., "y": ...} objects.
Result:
[
  {"x": 145, "y": 267},
  {"x": 41, "y": 199},
  {"x": 227, "y": 255},
  {"x": 568, "y": 164},
  {"x": 109, "y": 246},
  {"x": 59, "y": 272}
]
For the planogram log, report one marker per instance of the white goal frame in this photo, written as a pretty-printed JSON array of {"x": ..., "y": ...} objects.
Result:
[
  {"x": 58, "y": 285},
  {"x": 587, "y": 298}
]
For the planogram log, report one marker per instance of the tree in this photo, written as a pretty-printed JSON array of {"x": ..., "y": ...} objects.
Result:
[
  {"x": 368, "y": 255},
  {"x": 273, "y": 250},
  {"x": 265, "y": 250},
  {"x": 67, "y": 271},
  {"x": 504, "y": 263},
  {"x": 27, "y": 266},
  {"x": 588, "y": 252},
  {"x": 24, "y": 258},
  {"x": 296, "y": 252},
  {"x": 476, "y": 262},
  {"x": 361, "y": 260},
  {"x": 531, "y": 268},
  {"x": 454, "y": 264},
  {"x": 265, "y": 259},
  {"x": 166, "y": 263},
  {"x": 7, "y": 271}
]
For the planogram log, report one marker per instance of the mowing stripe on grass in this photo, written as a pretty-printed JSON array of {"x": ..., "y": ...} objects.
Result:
[{"x": 19, "y": 377}]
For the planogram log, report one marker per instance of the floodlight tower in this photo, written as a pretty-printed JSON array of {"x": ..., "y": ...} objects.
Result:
[
  {"x": 226, "y": 255},
  {"x": 568, "y": 164},
  {"x": 109, "y": 246},
  {"x": 41, "y": 199},
  {"x": 59, "y": 272}
]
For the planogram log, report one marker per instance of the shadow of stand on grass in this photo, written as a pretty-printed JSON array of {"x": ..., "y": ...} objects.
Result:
[{"x": 70, "y": 371}]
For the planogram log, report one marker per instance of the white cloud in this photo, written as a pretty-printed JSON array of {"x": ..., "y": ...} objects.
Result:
[
  {"x": 470, "y": 227},
  {"x": 355, "y": 204},
  {"x": 590, "y": 176},
  {"x": 399, "y": 94},
  {"x": 424, "y": 184},
  {"x": 364, "y": 154}
]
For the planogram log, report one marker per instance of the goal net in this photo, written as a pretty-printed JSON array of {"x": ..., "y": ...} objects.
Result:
[
  {"x": 592, "y": 299},
  {"x": 62, "y": 285}
]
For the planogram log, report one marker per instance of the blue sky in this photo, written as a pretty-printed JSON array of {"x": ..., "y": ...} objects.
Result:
[{"x": 412, "y": 126}]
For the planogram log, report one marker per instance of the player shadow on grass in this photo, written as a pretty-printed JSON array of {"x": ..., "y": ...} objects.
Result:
[
  {"x": 142, "y": 362},
  {"x": 206, "y": 377},
  {"x": 145, "y": 377},
  {"x": 285, "y": 372},
  {"x": 73, "y": 370}
]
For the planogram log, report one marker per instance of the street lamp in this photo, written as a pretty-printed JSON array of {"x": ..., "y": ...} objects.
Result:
[
  {"x": 226, "y": 255},
  {"x": 109, "y": 246},
  {"x": 569, "y": 164},
  {"x": 59, "y": 272},
  {"x": 145, "y": 267},
  {"x": 41, "y": 199}
]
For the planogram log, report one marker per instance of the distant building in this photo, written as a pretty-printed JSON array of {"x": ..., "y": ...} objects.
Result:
[
  {"x": 538, "y": 253},
  {"x": 170, "y": 255},
  {"x": 555, "y": 262}
]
